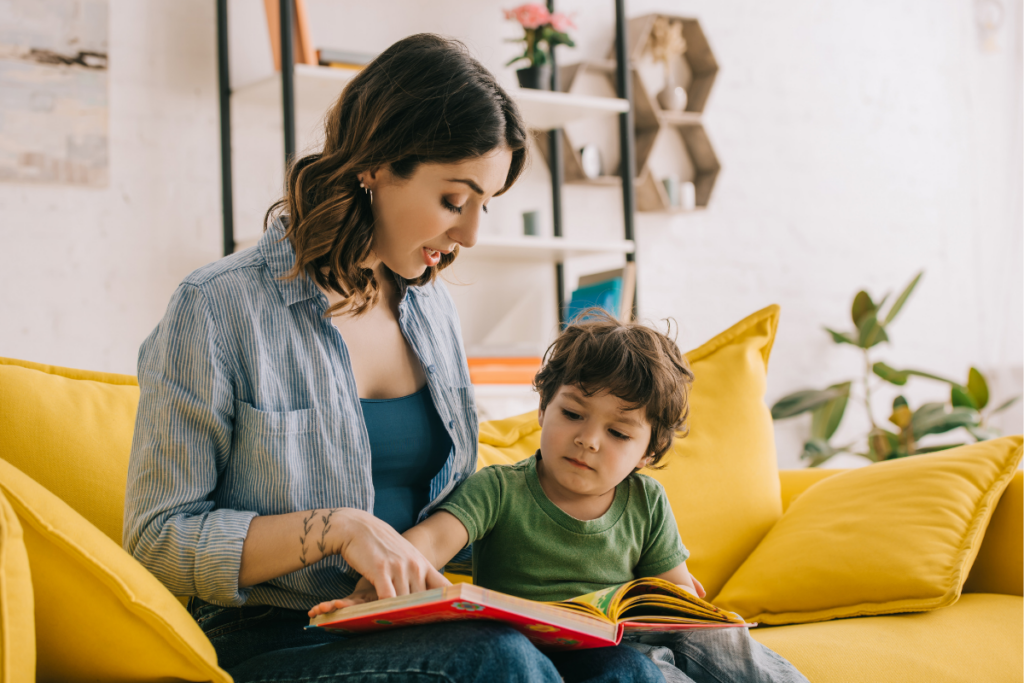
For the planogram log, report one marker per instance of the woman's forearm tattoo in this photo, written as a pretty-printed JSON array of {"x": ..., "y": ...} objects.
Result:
[{"x": 308, "y": 523}]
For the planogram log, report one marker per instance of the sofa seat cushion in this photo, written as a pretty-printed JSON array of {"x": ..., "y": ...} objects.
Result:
[
  {"x": 722, "y": 479},
  {"x": 979, "y": 638}
]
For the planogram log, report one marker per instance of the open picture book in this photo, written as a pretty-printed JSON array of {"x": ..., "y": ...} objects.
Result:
[{"x": 598, "y": 619}]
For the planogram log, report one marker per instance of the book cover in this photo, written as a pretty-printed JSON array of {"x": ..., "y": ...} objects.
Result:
[
  {"x": 628, "y": 275},
  {"x": 598, "y": 619},
  {"x": 606, "y": 295}
]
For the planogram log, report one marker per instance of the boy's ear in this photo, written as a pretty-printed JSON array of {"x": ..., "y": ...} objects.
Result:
[{"x": 540, "y": 416}]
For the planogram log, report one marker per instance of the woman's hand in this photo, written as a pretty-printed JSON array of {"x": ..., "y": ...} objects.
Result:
[
  {"x": 280, "y": 544},
  {"x": 387, "y": 562},
  {"x": 364, "y": 592}
]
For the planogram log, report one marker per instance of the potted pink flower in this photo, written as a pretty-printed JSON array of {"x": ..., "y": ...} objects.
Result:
[{"x": 540, "y": 27}]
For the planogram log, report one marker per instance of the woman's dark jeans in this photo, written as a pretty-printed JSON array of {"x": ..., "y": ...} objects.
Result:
[{"x": 263, "y": 643}]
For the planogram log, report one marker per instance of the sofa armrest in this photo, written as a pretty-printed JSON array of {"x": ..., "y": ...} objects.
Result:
[{"x": 999, "y": 566}]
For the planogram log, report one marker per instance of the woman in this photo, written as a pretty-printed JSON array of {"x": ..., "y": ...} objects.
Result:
[{"x": 305, "y": 401}]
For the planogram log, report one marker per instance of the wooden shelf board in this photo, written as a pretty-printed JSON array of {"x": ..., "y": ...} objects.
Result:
[
  {"x": 553, "y": 249},
  {"x": 546, "y": 110},
  {"x": 680, "y": 118},
  {"x": 316, "y": 87}
]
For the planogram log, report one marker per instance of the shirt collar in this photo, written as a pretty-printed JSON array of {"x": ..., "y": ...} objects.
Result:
[{"x": 280, "y": 257}]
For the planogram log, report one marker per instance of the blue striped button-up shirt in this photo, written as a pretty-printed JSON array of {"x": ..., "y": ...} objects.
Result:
[{"x": 249, "y": 407}]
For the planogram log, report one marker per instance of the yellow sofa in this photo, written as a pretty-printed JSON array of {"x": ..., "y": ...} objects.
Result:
[{"x": 74, "y": 606}]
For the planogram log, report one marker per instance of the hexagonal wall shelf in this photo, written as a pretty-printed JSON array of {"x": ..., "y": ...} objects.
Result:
[{"x": 695, "y": 71}]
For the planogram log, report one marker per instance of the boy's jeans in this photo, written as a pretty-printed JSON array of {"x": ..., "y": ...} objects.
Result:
[{"x": 726, "y": 655}]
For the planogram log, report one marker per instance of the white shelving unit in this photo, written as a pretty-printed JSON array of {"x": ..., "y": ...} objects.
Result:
[
  {"x": 533, "y": 249},
  {"x": 552, "y": 249},
  {"x": 317, "y": 87}
]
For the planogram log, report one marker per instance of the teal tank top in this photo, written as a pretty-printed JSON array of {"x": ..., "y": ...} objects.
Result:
[{"x": 408, "y": 447}]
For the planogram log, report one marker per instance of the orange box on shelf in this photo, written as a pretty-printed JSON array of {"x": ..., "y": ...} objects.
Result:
[{"x": 503, "y": 370}]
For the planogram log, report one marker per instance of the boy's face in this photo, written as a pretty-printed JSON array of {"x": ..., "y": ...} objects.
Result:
[{"x": 591, "y": 443}]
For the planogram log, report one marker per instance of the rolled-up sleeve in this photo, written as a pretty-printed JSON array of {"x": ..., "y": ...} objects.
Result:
[{"x": 182, "y": 440}]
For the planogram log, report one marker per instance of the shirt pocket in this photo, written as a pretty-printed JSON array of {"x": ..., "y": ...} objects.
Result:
[
  {"x": 270, "y": 454},
  {"x": 272, "y": 422}
]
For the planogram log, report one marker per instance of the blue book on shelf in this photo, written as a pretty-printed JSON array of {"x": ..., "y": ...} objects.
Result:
[{"x": 606, "y": 295}]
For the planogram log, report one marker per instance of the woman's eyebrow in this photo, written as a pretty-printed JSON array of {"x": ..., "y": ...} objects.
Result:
[{"x": 476, "y": 188}]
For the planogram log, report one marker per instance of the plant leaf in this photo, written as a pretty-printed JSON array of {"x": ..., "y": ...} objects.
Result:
[
  {"x": 890, "y": 374},
  {"x": 802, "y": 401},
  {"x": 882, "y": 444},
  {"x": 977, "y": 387},
  {"x": 943, "y": 447},
  {"x": 932, "y": 418},
  {"x": 902, "y": 299},
  {"x": 1004, "y": 406},
  {"x": 841, "y": 337},
  {"x": 826, "y": 417},
  {"x": 928, "y": 375},
  {"x": 901, "y": 416},
  {"x": 960, "y": 397},
  {"x": 862, "y": 306},
  {"x": 871, "y": 332},
  {"x": 817, "y": 451},
  {"x": 983, "y": 433}
]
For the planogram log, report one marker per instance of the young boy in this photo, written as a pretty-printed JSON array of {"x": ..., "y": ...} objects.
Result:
[{"x": 578, "y": 516}]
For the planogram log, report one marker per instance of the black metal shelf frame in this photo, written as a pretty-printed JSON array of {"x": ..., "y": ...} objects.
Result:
[{"x": 627, "y": 141}]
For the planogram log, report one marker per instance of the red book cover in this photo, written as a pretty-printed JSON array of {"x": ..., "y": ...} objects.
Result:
[{"x": 572, "y": 625}]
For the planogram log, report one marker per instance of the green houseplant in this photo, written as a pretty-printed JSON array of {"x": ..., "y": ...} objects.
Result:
[{"x": 967, "y": 405}]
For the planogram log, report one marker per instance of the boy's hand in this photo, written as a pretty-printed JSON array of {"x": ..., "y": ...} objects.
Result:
[
  {"x": 696, "y": 584},
  {"x": 364, "y": 592}
]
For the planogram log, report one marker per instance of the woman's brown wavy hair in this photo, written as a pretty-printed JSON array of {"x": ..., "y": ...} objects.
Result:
[{"x": 423, "y": 100}]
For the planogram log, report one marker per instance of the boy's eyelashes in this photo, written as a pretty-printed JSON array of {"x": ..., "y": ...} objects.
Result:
[{"x": 576, "y": 416}]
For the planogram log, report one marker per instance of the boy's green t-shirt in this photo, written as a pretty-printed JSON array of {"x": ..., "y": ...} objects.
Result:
[{"x": 525, "y": 545}]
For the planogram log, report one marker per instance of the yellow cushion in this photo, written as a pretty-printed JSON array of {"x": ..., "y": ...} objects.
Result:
[
  {"x": 17, "y": 619},
  {"x": 71, "y": 431},
  {"x": 898, "y": 536},
  {"x": 999, "y": 567},
  {"x": 722, "y": 479},
  {"x": 795, "y": 482},
  {"x": 977, "y": 639},
  {"x": 100, "y": 616}
]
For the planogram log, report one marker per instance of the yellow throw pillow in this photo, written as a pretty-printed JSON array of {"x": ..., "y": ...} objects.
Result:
[
  {"x": 17, "y": 619},
  {"x": 722, "y": 479},
  {"x": 898, "y": 536},
  {"x": 71, "y": 431},
  {"x": 99, "y": 615}
]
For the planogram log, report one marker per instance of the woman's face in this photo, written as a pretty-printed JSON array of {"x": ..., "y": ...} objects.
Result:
[{"x": 439, "y": 207}]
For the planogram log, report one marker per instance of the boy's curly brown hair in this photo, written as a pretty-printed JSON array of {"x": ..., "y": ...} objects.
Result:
[{"x": 633, "y": 362}]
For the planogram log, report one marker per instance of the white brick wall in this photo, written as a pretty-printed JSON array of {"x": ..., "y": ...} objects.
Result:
[{"x": 860, "y": 142}]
